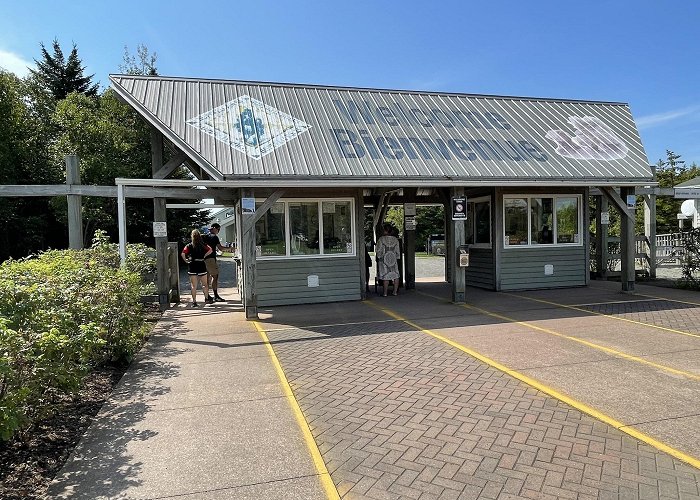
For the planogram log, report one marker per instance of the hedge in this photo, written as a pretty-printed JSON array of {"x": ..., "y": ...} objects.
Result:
[{"x": 62, "y": 313}]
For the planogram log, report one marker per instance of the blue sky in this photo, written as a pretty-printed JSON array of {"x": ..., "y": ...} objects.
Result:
[{"x": 642, "y": 52}]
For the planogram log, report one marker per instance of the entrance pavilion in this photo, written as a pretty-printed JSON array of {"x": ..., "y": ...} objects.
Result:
[{"x": 300, "y": 162}]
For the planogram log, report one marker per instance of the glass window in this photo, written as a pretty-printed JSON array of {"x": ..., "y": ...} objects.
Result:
[
  {"x": 482, "y": 222},
  {"x": 269, "y": 232},
  {"x": 337, "y": 227},
  {"x": 542, "y": 218},
  {"x": 515, "y": 221},
  {"x": 567, "y": 220},
  {"x": 303, "y": 228}
]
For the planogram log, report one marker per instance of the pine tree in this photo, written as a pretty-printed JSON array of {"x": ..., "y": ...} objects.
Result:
[{"x": 59, "y": 76}]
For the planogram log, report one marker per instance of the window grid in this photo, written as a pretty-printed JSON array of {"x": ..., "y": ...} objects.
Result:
[
  {"x": 319, "y": 208},
  {"x": 554, "y": 229}
]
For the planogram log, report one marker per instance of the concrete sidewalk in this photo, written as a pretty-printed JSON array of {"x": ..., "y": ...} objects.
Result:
[{"x": 201, "y": 413}]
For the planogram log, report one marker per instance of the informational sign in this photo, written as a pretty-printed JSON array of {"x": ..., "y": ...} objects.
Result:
[
  {"x": 248, "y": 205},
  {"x": 409, "y": 209},
  {"x": 605, "y": 217},
  {"x": 686, "y": 193},
  {"x": 409, "y": 223},
  {"x": 464, "y": 256},
  {"x": 459, "y": 208},
  {"x": 631, "y": 201},
  {"x": 160, "y": 229},
  {"x": 548, "y": 269},
  {"x": 312, "y": 280}
]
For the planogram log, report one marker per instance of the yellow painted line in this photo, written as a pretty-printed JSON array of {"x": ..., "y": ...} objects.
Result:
[
  {"x": 680, "y": 332},
  {"x": 582, "y": 407},
  {"x": 608, "y": 350},
  {"x": 324, "y": 476}
]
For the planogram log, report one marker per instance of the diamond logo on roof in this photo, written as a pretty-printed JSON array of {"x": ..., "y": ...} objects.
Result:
[{"x": 249, "y": 126}]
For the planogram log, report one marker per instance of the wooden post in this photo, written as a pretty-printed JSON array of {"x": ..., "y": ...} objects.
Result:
[
  {"x": 627, "y": 243},
  {"x": 160, "y": 215},
  {"x": 360, "y": 239},
  {"x": 409, "y": 239},
  {"x": 449, "y": 240},
  {"x": 250, "y": 298},
  {"x": 458, "y": 234},
  {"x": 601, "y": 236},
  {"x": 650, "y": 230},
  {"x": 75, "y": 204}
]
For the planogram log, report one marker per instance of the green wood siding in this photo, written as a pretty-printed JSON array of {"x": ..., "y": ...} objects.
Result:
[
  {"x": 480, "y": 272},
  {"x": 523, "y": 268},
  {"x": 282, "y": 282}
]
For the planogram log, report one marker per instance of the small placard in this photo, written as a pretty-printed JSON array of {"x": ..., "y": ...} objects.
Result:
[
  {"x": 459, "y": 208},
  {"x": 409, "y": 209},
  {"x": 631, "y": 201},
  {"x": 312, "y": 280},
  {"x": 605, "y": 217},
  {"x": 248, "y": 205},
  {"x": 328, "y": 207},
  {"x": 409, "y": 223},
  {"x": 160, "y": 229},
  {"x": 548, "y": 269}
]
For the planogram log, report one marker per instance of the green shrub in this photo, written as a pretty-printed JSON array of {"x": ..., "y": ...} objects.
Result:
[{"x": 62, "y": 313}]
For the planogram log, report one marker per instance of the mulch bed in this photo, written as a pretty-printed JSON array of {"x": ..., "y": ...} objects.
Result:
[{"x": 28, "y": 465}]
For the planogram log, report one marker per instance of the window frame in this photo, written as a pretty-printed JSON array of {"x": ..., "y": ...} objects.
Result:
[
  {"x": 555, "y": 229},
  {"x": 319, "y": 205},
  {"x": 473, "y": 202}
]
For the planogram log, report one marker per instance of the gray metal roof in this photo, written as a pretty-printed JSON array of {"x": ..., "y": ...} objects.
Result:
[
  {"x": 692, "y": 183},
  {"x": 288, "y": 133}
]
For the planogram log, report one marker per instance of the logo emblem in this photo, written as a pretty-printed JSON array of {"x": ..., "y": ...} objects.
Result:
[
  {"x": 592, "y": 140},
  {"x": 249, "y": 126}
]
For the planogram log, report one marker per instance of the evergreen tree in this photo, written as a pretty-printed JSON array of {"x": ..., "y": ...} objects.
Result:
[{"x": 59, "y": 77}]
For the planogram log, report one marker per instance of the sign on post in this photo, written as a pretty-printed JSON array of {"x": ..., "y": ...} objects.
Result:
[
  {"x": 459, "y": 208},
  {"x": 248, "y": 205},
  {"x": 409, "y": 222},
  {"x": 605, "y": 217},
  {"x": 160, "y": 229}
]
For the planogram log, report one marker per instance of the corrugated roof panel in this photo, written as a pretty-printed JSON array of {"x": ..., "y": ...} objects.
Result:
[{"x": 282, "y": 131}]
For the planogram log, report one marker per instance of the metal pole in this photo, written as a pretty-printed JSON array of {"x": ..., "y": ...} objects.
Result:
[{"x": 121, "y": 221}]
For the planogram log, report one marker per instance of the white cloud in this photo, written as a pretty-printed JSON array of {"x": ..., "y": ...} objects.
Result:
[
  {"x": 14, "y": 63},
  {"x": 659, "y": 118}
]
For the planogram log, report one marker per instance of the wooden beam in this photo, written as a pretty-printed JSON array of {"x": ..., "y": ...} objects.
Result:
[
  {"x": 170, "y": 167},
  {"x": 50, "y": 190},
  {"x": 250, "y": 220},
  {"x": 617, "y": 200}
]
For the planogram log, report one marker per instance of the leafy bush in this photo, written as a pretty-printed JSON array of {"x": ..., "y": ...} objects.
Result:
[
  {"x": 61, "y": 313},
  {"x": 691, "y": 261}
]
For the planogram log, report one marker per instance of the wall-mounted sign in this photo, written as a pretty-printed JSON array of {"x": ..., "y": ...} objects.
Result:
[
  {"x": 605, "y": 217},
  {"x": 248, "y": 205},
  {"x": 160, "y": 229},
  {"x": 631, "y": 201},
  {"x": 409, "y": 209},
  {"x": 312, "y": 280},
  {"x": 548, "y": 269},
  {"x": 459, "y": 208}
]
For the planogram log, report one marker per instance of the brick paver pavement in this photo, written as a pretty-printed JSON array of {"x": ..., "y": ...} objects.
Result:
[
  {"x": 669, "y": 314},
  {"x": 399, "y": 414}
]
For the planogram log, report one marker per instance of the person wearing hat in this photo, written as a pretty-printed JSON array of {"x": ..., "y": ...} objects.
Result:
[{"x": 212, "y": 239}]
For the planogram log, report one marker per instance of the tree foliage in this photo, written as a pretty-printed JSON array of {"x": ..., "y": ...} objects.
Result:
[
  {"x": 60, "y": 76},
  {"x": 143, "y": 63},
  {"x": 669, "y": 173},
  {"x": 41, "y": 121}
]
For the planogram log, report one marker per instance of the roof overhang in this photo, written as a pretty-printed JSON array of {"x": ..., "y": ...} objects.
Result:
[{"x": 256, "y": 133}]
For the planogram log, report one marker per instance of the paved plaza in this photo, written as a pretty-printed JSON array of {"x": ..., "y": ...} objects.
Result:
[{"x": 577, "y": 393}]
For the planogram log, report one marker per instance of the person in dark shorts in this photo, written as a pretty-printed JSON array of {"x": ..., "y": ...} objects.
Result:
[
  {"x": 194, "y": 254},
  {"x": 212, "y": 239}
]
